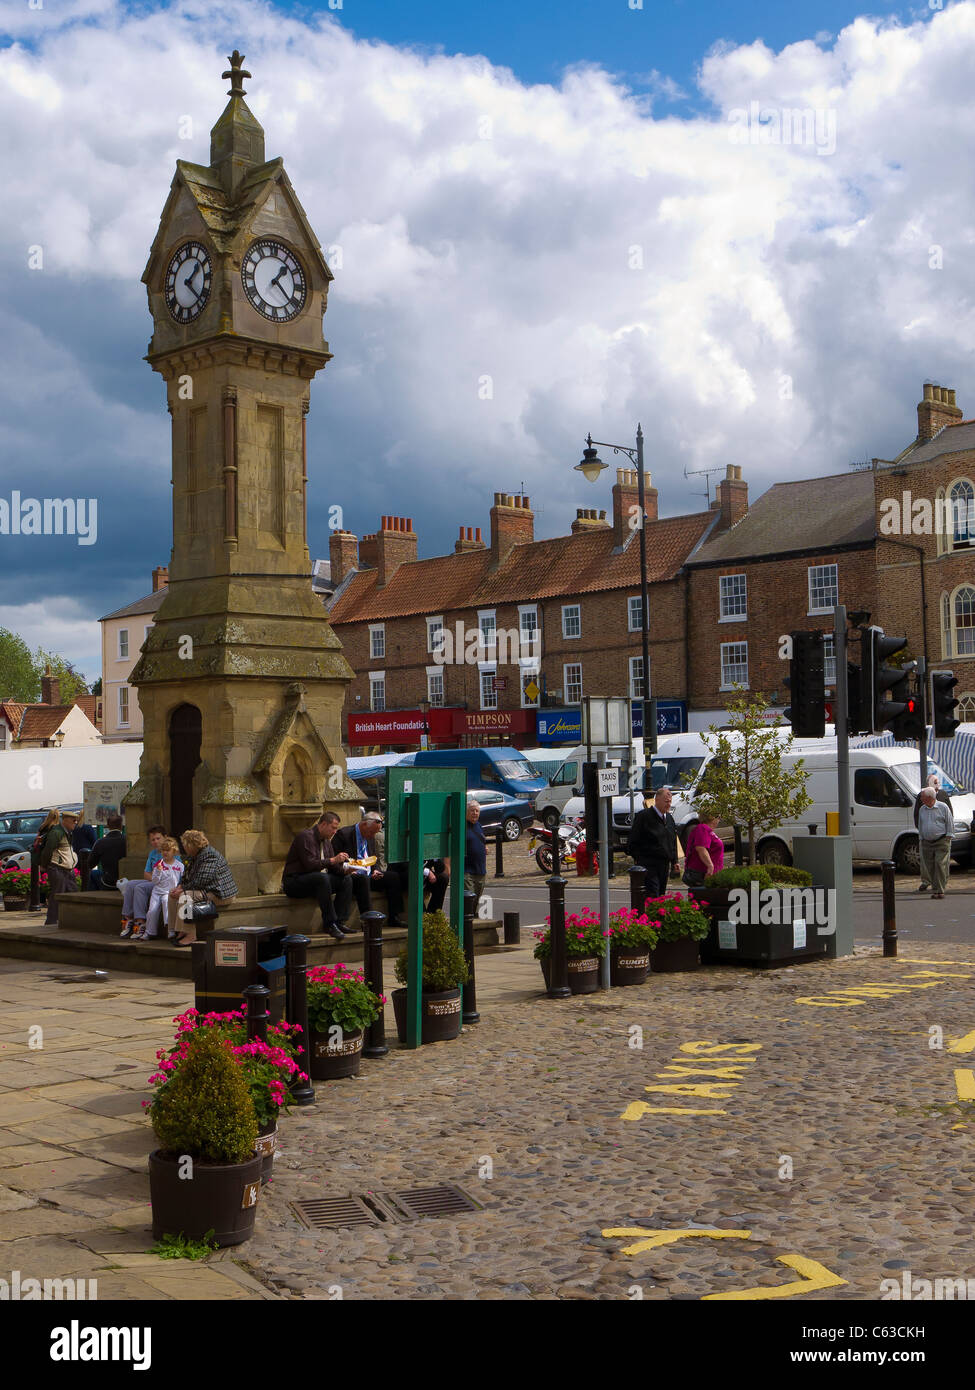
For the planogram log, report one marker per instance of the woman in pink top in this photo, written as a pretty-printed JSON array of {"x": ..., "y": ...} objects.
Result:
[{"x": 705, "y": 850}]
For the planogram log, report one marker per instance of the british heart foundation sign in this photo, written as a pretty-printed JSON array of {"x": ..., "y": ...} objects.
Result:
[{"x": 398, "y": 726}]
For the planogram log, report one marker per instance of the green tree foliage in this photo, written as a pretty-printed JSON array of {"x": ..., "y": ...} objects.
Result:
[
  {"x": 72, "y": 682},
  {"x": 444, "y": 963},
  {"x": 746, "y": 783},
  {"x": 206, "y": 1111},
  {"x": 20, "y": 675}
]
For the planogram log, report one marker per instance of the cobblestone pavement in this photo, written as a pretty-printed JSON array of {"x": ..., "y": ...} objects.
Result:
[
  {"x": 829, "y": 1129},
  {"x": 840, "y": 1138}
]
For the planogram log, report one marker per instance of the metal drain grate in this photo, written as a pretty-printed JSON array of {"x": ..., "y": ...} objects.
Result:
[
  {"x": 443, "y": 1200},
  {"x": 322, "y": 1213}
]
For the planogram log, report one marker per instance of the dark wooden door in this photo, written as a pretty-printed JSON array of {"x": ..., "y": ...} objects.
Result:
[{"x": 185, "y": 738}]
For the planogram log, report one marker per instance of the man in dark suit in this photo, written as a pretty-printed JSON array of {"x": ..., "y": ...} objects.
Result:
[
  {"x": 653, "y": 843},
  {"x": 316, "y": 869},
  {"x": 364, "y": 839}
]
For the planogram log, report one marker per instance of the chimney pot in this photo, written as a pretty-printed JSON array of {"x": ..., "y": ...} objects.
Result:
[{"x": 477, "y": 534}]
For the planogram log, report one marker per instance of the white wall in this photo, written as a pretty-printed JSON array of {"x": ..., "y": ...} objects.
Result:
[{"x": 35, "y": 778}]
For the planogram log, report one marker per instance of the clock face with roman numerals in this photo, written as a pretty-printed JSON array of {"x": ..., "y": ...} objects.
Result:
[
  {"x": 188, "y": 280},
  {"x": 274, "y": 281}
]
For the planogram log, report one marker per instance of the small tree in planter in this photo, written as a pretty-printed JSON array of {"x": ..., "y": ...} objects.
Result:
[
  {"x": 585, "y": 946},
  {"x": 680, "y": 924},
  {"x": 340, "y": 1006},
  {"x": 206, "y": 1176},
  {"x": 269, "y": 1068},
  {"x": 444, "y": 971},
  {"x": 745, "y": 783}
]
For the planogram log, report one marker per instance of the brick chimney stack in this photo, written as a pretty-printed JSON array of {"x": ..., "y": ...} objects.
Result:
[
  {"x": 160, "y": 578},
  {"x": 50, "y": 688},
  {"x": 343, "y": 554},
  {"x": 512, "y": 523},
  {"x": 935, "y": 410},
  {"x": 396, "y": 545},
  {"x": 589, "y": 519},
  {"x": 626, "y": 493},
  {"x": 469, "y": 539},
  {"x": 732, "y": 497}
]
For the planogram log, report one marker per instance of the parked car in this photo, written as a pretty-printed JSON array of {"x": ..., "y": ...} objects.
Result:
[
  {"x": 511, "y": 814},
  {"x": 495, "y": 769},
  {"x": 18, "y": 829}
]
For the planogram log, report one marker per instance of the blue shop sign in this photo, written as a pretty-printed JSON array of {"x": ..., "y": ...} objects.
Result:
[
  {"x": 559, "y": 726},
  {"x": 671, "y": 717}
]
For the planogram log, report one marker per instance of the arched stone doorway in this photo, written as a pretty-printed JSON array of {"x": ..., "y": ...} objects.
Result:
[{"x": 185, "y": 739}]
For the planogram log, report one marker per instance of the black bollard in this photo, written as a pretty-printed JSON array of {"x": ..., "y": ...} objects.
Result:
[
  {"x": 469, "y": 1000},
  {"x": 890, "y": 917},
  {"x": 256, "y": 997},
  {"x": 558, "y": 977},
  {"x": 296, "y": 1011},
  {"x": 498, "y": 855},
  {"x": 34, "y": 901},
  {"x": 512, "y": 928},
  {"x": 638, "y": 888},
  {"x": 374, "y": 1043}
]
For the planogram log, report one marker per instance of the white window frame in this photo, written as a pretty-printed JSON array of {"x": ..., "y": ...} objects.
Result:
[
  {"x": 124, "y": 706},
  {"x": 812, "y": 569},
  {"x": 566, "y": 668},
  {"x": 966, "y": 540},
  {"x": 377, "y": 637},
  {"x": 3, "y": 734},
  {"x": 725, "y": 599},
  {"x": 436, "y": 673},
  {"x": 571, "y": 608},
  {"x": 956, "y": 653},
  {"x": 636, "y": 600},
  {"x": 377, "y": 678},
  {"x": 528, "y": 666},
  {"x": 525, "y": 610},
  {"x": 829, "y": 658},
  {"x": 123, "y": 655},
  {"x": 434, "y": 625},
  {"x": 487, "y": 668},
  {"x": 635, "y": 681},
  {"x": 489, "y": 616},
  {"x": 727, "y": 662}
]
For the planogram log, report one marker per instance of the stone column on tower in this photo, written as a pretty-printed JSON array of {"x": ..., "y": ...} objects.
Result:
[{"x": 242, "y": 679}]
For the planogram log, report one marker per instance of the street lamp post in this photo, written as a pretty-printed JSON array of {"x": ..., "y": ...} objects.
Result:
[{"x": 590, "y": 468}]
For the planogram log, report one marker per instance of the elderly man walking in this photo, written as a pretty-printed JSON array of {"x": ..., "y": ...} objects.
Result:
[
  {"x": 653, "y": 843},
  {"x": 935, "y": 824}
]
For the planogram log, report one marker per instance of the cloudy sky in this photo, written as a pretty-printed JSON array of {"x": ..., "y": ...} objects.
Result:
[{"x": 582, "y": 201}]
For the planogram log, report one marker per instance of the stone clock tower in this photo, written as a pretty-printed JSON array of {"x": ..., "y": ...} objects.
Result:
[{"x": 242, "y": 679}]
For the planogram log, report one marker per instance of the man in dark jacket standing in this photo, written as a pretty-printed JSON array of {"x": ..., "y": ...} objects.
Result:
[
  {"x": 653, "y": 843},
  {"x": 314, "y": 869}
]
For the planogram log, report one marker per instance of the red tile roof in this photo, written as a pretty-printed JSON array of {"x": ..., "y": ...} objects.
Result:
[
  {"x": 88, "y": 704},
  {"x": 41, "y": 721},
  {"x": 564, "y": 565}
]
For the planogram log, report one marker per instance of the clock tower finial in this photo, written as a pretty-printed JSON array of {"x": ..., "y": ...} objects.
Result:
[{"x": 236, "y": 74}]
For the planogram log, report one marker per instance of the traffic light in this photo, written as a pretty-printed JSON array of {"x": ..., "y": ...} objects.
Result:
[
  {"x": 909, "y": 725},
  {"x": 807, "y": 686},
  {"x": 943, "y": 704},
  {"x": 876, "y": 679},
  {"x": 853, "y": 703}
]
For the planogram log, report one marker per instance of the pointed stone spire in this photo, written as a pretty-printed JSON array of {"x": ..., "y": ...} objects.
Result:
[{"x": 237, "y": 139}]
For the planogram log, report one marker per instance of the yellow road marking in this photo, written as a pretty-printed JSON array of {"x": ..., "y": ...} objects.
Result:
[
  {"x": 815, "y": 1276},
  {"x": 965, "y": 1083},
  {"x": 657, "y": 1238},
  {"x": 636, "y": 1108},
  {"x": 965, "y": 1044}
]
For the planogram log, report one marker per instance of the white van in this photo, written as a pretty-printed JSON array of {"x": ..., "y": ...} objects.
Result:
[
  {"x": 883, "y": 785},
  {"x": 565, "y": 783}
]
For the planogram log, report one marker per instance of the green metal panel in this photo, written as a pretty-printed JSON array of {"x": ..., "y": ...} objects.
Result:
[{"x": 425, "y": 819}]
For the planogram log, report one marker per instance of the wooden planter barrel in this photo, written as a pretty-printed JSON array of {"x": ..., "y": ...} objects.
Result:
[
  {"x": 439, "y": 1015},
  {"x": 265, "y": 1148},
  {"x": 331, "y": 1063},
  {"x": 220, "y": 1197},
  {"x": 583, "y": 974},
  {"x": 629, "y": 965},
  {"x": 667, "y": 957}
]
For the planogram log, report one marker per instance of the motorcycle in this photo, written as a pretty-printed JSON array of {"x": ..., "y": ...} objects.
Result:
[{"x": 570, "y": 838}]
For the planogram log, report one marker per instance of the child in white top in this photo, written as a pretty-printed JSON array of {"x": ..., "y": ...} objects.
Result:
[{"x": 166, "y": 875}]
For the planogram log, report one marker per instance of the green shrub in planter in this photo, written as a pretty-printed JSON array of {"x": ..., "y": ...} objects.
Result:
[
  {"x": 206, "y": 1109},
  {"x": 673, "y": 918},
  {"x": 444, "y": 963},
  {"x": 739, "y": 877},
  {"x": 785, "y": 873}
]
